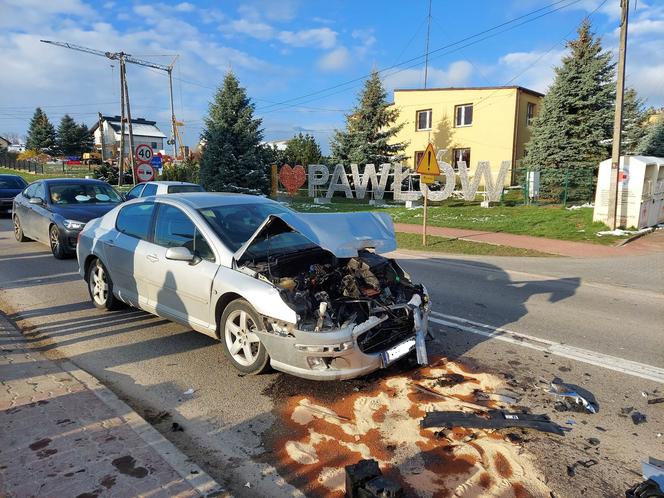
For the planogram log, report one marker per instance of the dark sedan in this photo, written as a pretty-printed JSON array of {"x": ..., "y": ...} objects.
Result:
[
  {"x": 10, "y": 187},
  {"x": 55, "y": 211}
]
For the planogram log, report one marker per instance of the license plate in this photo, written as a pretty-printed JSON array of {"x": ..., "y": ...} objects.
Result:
[{"x": 397, "y": 351}]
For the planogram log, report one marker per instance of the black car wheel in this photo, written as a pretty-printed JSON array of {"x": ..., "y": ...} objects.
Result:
[
  {"x": 100, "y": 287},
  {"x": 18, "y": 230},
  {"x": 55, "y": 241}
]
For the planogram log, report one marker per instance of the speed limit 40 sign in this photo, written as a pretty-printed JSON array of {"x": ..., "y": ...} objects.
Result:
[{"x": 144, "y": 153}]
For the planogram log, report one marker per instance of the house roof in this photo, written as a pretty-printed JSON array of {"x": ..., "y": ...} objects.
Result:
[
  {"x": 3, "y": 139},
  {"x": 523, "y": 89},
  {"x": 140, "y": 126}
]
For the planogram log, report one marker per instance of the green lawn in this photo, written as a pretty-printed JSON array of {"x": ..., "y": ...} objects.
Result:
[
  {"x": 413, "y": 241},
  {"x": 31, "y": 177},
  {"x": 553, "y": 222}
]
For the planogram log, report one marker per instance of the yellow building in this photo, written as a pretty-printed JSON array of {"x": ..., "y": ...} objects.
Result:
[{"x": 472, "y": 124}]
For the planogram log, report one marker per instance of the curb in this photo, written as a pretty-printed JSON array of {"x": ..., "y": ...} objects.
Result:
[
  {"x": 634, "y": 237},
  {"x": 191, "y": 473}
]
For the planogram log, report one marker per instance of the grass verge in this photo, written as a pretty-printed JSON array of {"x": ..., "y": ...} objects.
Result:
[
  {"x": 31, "y": 177},
  {"x": 413, "y": 242}
]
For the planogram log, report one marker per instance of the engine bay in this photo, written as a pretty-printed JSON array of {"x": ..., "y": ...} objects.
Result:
[{"x": 329, "y": 292}]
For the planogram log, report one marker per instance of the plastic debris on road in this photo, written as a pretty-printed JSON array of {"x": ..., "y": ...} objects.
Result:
[
  {"x": 189, "y": 391},
  {"x": 574, "y": 400}
]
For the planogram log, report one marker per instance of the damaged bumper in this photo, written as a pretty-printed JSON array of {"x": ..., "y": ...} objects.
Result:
[{"x": 347, "y": 352}]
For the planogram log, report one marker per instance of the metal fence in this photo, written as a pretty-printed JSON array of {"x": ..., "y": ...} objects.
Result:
[
  {"x": 557, "y": 185},
  {"x": 11, "y": 162}
]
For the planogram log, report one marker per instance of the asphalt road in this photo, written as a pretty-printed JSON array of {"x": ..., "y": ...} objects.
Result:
[{"x": 599, "y": 306}]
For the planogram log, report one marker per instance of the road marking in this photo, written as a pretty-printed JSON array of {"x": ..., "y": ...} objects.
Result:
[
  {"x": 628, "y": 367},
  {"x": 39, "y": 278}
]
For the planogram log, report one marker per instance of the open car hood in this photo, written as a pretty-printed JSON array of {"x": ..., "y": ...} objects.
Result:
[{"x": 343, "y": 234}]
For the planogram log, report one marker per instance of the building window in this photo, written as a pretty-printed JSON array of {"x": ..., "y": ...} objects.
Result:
[
  {"x": 154, "y": 145},
  {"x": 463, "y": 115},
  {"x": 530, "y": 113},
  {"x": 460, "y": 155},
  {"x": 423, "y": 120},
  {"x": 418, "y": 157}
]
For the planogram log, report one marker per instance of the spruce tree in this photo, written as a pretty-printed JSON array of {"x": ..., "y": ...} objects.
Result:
[
  {"x": 570, "y": 136},
  {"x": 302, "y": 149},
  {"x": 634, "y": 118},
  {"x": 367, "y": 138},
  {"x": 652, "y": 144},
  {"x": 41, "y": 134},
  {"x": 233, "y": 159},
  {"x": 67, "y": 136},
  {"x": 85, "y": 139}
]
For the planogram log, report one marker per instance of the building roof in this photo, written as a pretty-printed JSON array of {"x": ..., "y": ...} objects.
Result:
[
  {"x": 3, "y": 139},
  {"x": 523, "y": 89},
  {"x": 140, "y": 126}
]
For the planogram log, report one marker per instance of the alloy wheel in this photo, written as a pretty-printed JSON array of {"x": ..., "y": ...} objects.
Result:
[
  {"x": 241, "y": 338},
  {"x": 99, "y": 285},
  {"x": 17, "y": 228},
  {"x": 54, "y": 237}
]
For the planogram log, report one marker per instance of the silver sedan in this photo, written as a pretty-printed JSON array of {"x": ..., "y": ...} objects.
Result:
[{"x": 307, "y": 294}]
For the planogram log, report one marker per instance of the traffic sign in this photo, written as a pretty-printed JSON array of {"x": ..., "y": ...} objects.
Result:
[
  {"x": 156, "y": 161},
  {"x": 144, "y": 173},
  {"x": 144, "y": 153},
  {"x": 428, "y": 165}
]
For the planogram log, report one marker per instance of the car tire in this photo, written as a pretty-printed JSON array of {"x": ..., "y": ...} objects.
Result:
[
  {"x": 55, "y": 242},
  {"x": 241, "y": 344},
  {"x": 18, "y": 230},
  {"x": 100, "y": 287}
]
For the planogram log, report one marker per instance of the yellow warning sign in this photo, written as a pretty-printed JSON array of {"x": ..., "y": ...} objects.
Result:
[{"x": 428, "y": 164}]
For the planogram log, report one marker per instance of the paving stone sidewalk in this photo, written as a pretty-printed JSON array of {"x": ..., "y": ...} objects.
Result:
[
  {"x": 647, "y": 244},
  {"x": 63, "y": 434}
]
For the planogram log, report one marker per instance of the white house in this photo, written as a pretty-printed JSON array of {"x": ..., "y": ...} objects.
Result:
[{"x": 144, "y": 131}]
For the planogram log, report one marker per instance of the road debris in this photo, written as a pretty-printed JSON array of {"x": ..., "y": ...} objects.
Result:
[
  {"x": 638, "y": 418},
  {"x": 594, "y": 441},
  {"x": 495, "y": 419},
  {"x": 655, "y": 401},
  {"x": 175, "y": 427},
  {"x": 365, "y": 480},
  {"x": 646, "y": 489},
  {"x": 466, "y": 404},
  {"x": 189, "y": 391},
  {"x": 654, "y": 469},
  {"x": 573, "y": 398},
  {"x": 571, "y": 469}
]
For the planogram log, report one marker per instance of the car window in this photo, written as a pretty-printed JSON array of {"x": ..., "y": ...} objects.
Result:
[
  {"x": 178, "y": 189},
  {"x": 83, "y": 193},
  {"x": 150, "y": 189},
  {"x": 30, "y": 191},
  {"x": 174, "y": 228},
  {"x": 135, "y": 192},
  {"x": 12, "y": 182},
  {"x": 134, "y": 220},
  {"x": 40, "y": 191}
]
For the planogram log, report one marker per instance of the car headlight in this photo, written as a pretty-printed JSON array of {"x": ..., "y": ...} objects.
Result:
[{"x": 73, "y": 224}]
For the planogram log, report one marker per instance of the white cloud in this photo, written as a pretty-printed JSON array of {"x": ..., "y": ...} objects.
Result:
[
  {"x": 336, "y": 60},
  {"x": 185, "y": 7},
  {"x": 458, "y": 73},
  {"x": 31, "y": 13},
  {"x": 255, "y": 29},
  {"x": 319, "y": 37}
]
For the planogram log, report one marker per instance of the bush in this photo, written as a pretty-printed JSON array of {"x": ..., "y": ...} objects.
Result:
[
  {"x": 110, "y": 174},
  {"x": 185, "y": 171}
]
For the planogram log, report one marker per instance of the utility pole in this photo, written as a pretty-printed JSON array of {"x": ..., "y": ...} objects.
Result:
[
  {"x": 122, "y": 127},
  {"x": 426, "y": 52},
  {"x": 174, "y": 124},
  {"x": 131, "y": 132},
  {"x": 613, "y": 217}
]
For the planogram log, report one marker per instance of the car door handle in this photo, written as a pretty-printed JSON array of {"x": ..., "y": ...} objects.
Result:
[{"x": 152, "y": 258}]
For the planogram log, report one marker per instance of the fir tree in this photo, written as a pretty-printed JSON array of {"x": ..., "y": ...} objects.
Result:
[
  {"x": 652, "y": 144},
  {"x": 86, "y": 141},
  {"x": 41, "y": 134},
  {"x": 571, "y": 133},
  {"x": 67, "y": 136},
  {"x": 367, "y": 138},
  {"x": 634, "y": 118},
  {"x": 233, "y": 158},
  {"x": 302, "y": 149}
]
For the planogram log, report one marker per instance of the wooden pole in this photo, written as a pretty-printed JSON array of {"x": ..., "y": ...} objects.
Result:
[
  {"x": 131, "y": 133},
  {"x": 101, "y": 136},
  {"x": 173, "y": 124},
  {"x": 424, "y": 217},
  {"x": 275, "y": 179},
  {"x": 122, "y": 127},
  {"x": 613, "y": 218}
]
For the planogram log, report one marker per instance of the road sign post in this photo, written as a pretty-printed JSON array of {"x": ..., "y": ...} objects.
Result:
[{"x": 428, "y": 168}]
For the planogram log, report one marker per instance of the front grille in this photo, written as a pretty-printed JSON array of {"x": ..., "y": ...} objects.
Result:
[{"x": 397, "y": 328}]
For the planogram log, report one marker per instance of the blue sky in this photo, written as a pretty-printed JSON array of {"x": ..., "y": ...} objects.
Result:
[{"x": 285, "y": 50}]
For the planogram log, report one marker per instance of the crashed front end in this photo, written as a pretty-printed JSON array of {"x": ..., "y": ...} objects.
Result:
[{"x": 355, "y": 314}]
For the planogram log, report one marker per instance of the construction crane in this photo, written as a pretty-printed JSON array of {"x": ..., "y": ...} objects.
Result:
[{"x": 123, "y": 57}]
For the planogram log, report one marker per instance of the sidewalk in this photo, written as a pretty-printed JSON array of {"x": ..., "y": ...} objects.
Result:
[
  {"x": 647, "y": 244},
  {"x": 65, "y": 435}
]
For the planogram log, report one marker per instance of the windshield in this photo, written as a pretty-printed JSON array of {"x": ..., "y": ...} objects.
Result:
[
  {"x": 178, "y": 189},
  {"x": 83, "y": 193},
  {"x": 14, "y": 182},
  {"x": 234, "y": 225}
]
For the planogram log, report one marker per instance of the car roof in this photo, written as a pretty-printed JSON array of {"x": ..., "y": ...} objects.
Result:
[
  {"x": 73, "y": 180},
  {"x": 200, "y": 200},
  {"x": 167, "y": 182},
  {"x": 11, "y": 176}
]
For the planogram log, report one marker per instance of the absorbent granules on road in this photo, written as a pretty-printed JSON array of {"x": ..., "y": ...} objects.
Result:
[{"x": 383, "y": 423}]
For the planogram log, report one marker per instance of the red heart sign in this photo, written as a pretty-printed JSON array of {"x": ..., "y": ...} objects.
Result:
[{"x": 292, "y": 178}]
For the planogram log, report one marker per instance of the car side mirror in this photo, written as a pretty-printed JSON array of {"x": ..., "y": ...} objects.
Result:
[
  {"x": 180, "y": 254},
  {"x": 36, "y": 200}
]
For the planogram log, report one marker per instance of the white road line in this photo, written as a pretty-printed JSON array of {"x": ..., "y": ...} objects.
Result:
[{"x": 573, "y": 353}]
